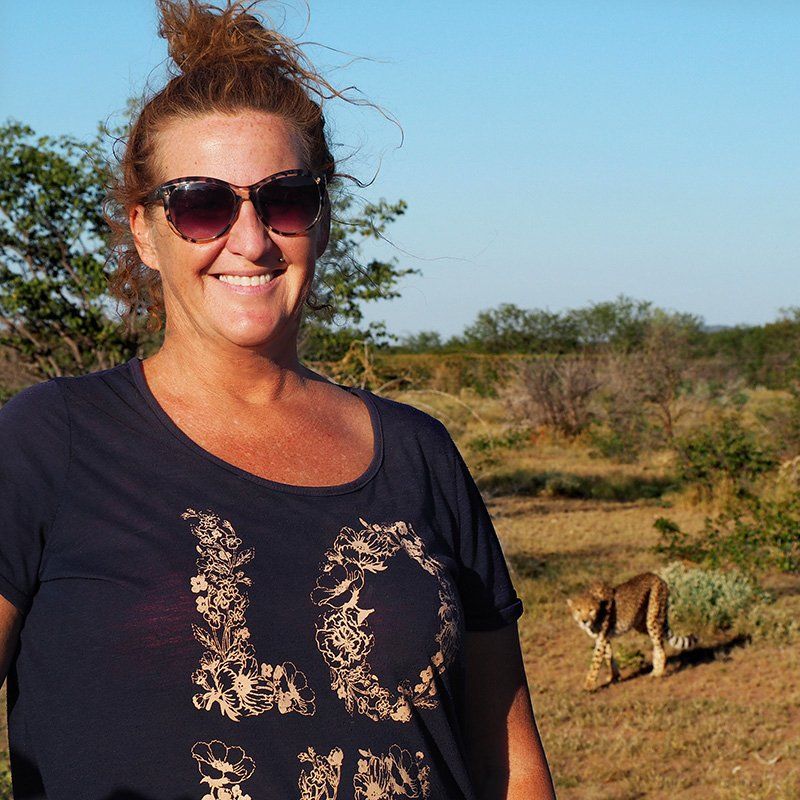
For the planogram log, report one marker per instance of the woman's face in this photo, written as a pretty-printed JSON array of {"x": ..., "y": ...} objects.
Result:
[{"x": 240, "y": 149}]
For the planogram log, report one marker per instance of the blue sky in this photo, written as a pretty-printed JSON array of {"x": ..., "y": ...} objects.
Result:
[{"x": 555, "y": 154}]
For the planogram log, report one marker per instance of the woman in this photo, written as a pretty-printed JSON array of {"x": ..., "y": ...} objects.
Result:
[{"x": 223, "y": 576}]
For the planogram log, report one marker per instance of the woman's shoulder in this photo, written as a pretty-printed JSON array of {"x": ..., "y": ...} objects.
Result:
[
  {"x": 35, "y": 432},
  {"x": 48, "y": 402},
  {"x": 36, "y": 402},
  {"x": 410, "y": 419}
]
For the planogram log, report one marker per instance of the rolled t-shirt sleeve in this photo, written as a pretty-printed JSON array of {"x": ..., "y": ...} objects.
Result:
[
  {"x": 34, "y": 460},
  {"x": 487, "y": 593}
]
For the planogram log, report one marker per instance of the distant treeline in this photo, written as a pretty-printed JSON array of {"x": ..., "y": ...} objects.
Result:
[{"x": 765, "y": 355}]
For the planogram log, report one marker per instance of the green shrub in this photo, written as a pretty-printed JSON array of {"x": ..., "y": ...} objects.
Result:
[
  {"x": 781, "y": 418},
  {"x": 629, "y": 657},
  {"x": 773, "y": 623},
  {"x": 568, "y": 485},
  {"x": 609, "y": 487},
  {"x": 726, "y": 451},
  {"x": 620, "y": 443},
  {"x": 752, "y": 534},
  {"x": 512, "y": 439},
  {"x": 709, "y": 598}
]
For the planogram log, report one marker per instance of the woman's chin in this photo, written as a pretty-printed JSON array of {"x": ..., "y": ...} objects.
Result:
[{"x": 258, "y": 333}]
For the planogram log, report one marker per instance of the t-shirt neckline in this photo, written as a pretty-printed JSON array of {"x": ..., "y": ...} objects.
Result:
[{"x": 137, "y": 372}]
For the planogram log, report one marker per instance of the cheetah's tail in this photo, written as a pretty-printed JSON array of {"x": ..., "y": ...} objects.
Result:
[{"x": 680, "y": 642}]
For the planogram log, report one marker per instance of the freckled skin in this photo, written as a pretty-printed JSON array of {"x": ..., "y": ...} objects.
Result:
[
  {"x": 638, "y": 604},
  {"x": 241, "y": 149}
]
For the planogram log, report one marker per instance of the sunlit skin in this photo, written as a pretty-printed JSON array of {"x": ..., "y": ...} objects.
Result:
[{"x": 247, "y": 341}]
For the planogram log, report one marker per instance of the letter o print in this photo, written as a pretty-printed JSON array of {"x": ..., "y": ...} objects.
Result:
[{"x": 343, "y": 633}]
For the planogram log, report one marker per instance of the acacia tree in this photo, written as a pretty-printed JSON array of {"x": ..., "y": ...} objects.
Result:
[
  {"x": 620, "y": 325},
  {"x": 343, "y": 282},
  {"x": 55, "y": 309}
]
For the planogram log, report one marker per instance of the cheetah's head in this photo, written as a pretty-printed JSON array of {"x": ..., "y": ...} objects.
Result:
[{"x": 590, "y": 608}]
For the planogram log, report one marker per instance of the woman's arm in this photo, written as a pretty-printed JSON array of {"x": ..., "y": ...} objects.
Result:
[
  {"x": 10, "y": 625},
  {"x": 506, "y": 757}
]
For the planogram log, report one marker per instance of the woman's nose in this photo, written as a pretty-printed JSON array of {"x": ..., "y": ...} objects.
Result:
[{"x": 248, "y": 237}]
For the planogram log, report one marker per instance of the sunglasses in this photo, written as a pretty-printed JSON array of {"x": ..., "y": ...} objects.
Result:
[{"x": 203, "y": 209}]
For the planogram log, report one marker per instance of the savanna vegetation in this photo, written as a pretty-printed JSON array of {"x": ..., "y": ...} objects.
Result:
[{"x": 607, "y": 440}]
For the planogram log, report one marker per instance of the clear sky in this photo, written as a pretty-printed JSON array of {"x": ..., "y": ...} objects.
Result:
[{"x": 556, "y": 153}]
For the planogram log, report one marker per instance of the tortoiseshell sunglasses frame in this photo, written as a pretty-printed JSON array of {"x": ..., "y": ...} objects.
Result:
[{"x": 162, "y": 193}]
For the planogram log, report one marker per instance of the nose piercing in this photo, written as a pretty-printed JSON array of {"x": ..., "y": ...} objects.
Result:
[{"x": 281, "y": 260}]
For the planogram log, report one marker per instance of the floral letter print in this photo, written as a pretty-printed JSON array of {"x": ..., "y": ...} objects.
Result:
[
  {"x": 394, "y": 776},
  {"x": 321, "y": 781},
  {"x": 223, "y": 768},
  {"x": 391, "y": 777},
  {"x": 230, "y": 675},
  {"x": 344, "y": 637}
]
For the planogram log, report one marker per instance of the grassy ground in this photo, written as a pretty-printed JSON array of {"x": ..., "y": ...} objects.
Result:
[{"x": 723, "y": 723}]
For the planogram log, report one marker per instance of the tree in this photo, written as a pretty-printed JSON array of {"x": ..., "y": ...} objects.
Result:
[
  {"x": 343, "y": 282},
  {"x": 621, "y": 325},
  {"x": 624, "y": 324},
  {"x": 511, "y": 329},
  {"x": 421, "y": 342},
  {"x": 54, "y": 309},
  {"x": 764, "y": 354}
]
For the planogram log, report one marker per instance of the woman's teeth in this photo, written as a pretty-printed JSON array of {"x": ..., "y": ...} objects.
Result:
[{"x": 252, "y": 280}]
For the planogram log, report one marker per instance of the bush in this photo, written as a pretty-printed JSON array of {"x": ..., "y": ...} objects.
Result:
[
  {"x": 512, "y": 439},
  {"x": 622, "y": 438},
  {"x": 553, "y": 392},
  {"x": 726, "y": 452},
  {"x": 622, "y": 428},
  {"x": 773, "y": 623},
  {"x": 609, "y": 487},
  {"x": 753, "y": 534},
  {"x": 708, "y": 598},
  {"x": 782, "y": 417}
]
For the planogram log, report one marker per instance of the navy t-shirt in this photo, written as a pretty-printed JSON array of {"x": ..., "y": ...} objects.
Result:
[{"x": 195, "y": 632}]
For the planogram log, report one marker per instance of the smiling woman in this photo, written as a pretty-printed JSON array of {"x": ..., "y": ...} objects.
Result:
[{"x": 254, "y": 582}]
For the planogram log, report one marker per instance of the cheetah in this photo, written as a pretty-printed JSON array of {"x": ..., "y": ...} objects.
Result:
[{"x": 638, "y": 604}]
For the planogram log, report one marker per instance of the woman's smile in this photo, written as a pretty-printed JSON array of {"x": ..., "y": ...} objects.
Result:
[{"x": 258, "y": 284}]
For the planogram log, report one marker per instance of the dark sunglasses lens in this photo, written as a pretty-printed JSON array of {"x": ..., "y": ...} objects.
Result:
[
  {"x": 201, "y": 210},
  {"x": 290, "y": 204}
]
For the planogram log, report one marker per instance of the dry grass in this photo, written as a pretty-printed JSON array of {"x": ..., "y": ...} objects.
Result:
[{"x": 723, "y": 723}]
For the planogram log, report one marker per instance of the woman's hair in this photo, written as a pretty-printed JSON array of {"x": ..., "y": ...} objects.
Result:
[{"x": 226, "y": 61}]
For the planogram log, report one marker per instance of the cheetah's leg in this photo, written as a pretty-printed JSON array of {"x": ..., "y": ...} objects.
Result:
[
  {"x": 656, "y": 624},
  {"x": 590, "y": 684},
  {"x": 612, "y": 664}
]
